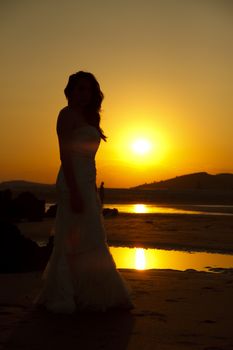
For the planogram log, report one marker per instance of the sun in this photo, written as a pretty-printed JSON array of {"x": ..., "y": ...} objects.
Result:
[{"x": 141, "y": 146}]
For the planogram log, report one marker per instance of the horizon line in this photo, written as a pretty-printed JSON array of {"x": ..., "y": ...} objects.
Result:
[{"x": 145, "y": 183}]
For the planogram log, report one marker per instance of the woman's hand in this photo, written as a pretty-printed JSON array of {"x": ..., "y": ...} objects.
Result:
[{"x": 76, "y": 202}]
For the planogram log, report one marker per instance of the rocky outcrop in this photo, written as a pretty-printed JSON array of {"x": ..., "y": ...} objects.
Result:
[
  {"x": 107, "y": 212},
  {"x": 24, "y": 207},
  {"x": 19, "y": 253}
]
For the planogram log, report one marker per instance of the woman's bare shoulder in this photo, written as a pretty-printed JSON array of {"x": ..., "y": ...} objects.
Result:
[
  {"x": 64, "y": 112},
  {"x": 64, "y": 121}
]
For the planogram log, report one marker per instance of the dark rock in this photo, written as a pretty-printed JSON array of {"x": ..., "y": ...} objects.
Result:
[
  {"x": 5, "y": 203},
  {"x": 24, "y": 207},
  {"x": 110, "y": 212},
  {"x": 27, "y": 206},
  {"x": 19, "y": 253}
]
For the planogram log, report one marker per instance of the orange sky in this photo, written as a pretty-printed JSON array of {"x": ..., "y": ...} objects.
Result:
[{"x": 164, "y": 66}]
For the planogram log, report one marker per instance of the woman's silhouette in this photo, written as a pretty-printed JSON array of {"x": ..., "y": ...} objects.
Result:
[{"x": 81, "y": 273}]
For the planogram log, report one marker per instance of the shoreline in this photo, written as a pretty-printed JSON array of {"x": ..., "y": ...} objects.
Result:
[
  {"x": 174, "y": 309},
  {"x": 178, "y": 248},
  {"x": 200, "y": 233}
]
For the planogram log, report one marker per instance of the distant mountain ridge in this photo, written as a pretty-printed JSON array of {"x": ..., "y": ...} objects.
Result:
[
  {"x": 195, "y": 181},
  {"x": 192, "y": 188},
  {"x": 200, "y": 180}
]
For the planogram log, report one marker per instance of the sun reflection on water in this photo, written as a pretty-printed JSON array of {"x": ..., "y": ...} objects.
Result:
[
  {"x": 140, "y": 259},
  {"x": 134, "y": 258},
  {"x": 140, "y": 208},
  {"x": 143, "y": 259}
]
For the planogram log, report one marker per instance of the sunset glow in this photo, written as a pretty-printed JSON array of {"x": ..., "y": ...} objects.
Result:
[
  {"x": 167, "y": 108},
  {"x": 141, "y": 146}
]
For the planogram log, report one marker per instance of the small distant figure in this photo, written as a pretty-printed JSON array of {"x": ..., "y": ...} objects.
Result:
[{"x": 101, "y": 193}]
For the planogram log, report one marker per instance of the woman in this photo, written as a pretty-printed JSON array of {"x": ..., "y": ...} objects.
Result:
[{"x": 81, "y": 273}]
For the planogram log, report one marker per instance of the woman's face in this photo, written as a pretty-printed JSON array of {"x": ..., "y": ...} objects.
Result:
[{"x": 82, "y": 93}]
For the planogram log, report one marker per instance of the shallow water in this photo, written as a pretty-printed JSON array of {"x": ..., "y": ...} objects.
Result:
[
  {"x": 143, "y": 259},
  {"x": 142, "y": 208},
  {"x": 145, "y": 208},
  {"x": 139, "y": 258}
]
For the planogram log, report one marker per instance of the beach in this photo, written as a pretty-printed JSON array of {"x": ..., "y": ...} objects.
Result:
[
  {"x": 173, "y": 309},
  {"x": 123, "y": 107},
  {"x": 213, "y": 233}
]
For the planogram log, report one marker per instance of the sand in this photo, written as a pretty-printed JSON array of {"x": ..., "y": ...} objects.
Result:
[
  {"x": 173, "y": 309},
  {"x": 166, "y": 231}
]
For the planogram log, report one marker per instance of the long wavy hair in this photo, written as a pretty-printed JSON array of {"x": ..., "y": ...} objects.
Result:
[{"x": 92, "y": 110}]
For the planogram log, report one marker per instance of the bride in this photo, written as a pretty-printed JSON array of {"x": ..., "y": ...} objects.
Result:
[{"x": 81, "y": 273}]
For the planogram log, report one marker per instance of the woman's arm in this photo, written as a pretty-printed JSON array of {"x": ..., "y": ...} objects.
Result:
[{"x": 64, "y": 129}]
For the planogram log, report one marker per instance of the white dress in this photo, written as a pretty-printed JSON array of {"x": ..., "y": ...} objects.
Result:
[{"x": 81, "y": 273}]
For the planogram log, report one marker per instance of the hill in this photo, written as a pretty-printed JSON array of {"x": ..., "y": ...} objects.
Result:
[
  {"x": 196, "y": 181},
  {"x": 191, "y": 188}
]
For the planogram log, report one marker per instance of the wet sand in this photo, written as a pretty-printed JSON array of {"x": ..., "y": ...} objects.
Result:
[
  {"x": 173, "y": 309},
  {"x": 165, "y": 231}
]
